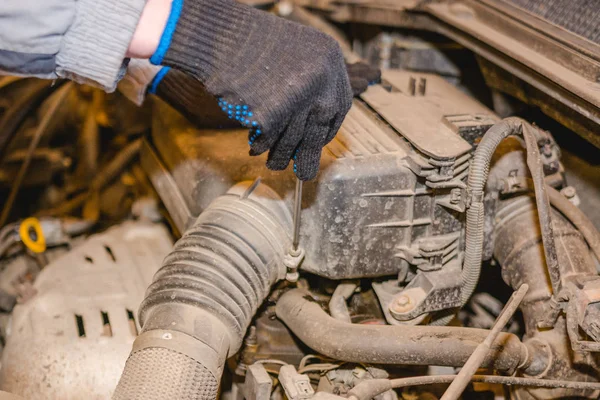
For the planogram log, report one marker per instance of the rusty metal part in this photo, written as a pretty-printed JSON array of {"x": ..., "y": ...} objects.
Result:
[
  {"x": 45, "y": 164},
  {"x": 534, "y": 163},
  {"x": 465, "y": 375},
  {"x": 577, "y": 218},
  {"x": 89, "y": 141},
  {"x": 409, "y": 345},
  {"x": 576, "y": 320}
]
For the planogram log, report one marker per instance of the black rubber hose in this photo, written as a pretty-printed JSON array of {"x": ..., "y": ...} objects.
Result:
[
  {"x": 200, "y": 303},
  {"x": 478, "y": 174},
  {"x": 392, "y": 344}
]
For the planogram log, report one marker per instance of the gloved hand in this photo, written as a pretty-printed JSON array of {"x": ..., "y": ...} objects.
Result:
[
  {"x": 189, "y": 96},
  {"x": 285, "y": 81},
  {"x": 362, "y": 75}
]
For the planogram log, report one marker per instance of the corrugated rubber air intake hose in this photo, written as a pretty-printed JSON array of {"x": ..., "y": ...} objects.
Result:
[{"x": 202, "y": 300}]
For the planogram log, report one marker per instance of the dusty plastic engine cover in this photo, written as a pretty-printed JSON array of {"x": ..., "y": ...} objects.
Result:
[{"x": 390, "y": 187}]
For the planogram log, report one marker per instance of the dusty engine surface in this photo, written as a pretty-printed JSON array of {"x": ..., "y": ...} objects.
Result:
[
  {"x": 388, "y": 200},
  {"x": 391, "y": 187},
  {"x": 448, "y": 248},
  {"x": 78, "y": 328}
]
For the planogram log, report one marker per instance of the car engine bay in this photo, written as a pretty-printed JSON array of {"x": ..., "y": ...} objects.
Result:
[{"x": 448, "y": 248}]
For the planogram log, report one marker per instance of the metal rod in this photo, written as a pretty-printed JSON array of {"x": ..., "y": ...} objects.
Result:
[
  {"x": 366, "y": 390},
  {"x": 297, "y": 211},
  {"x": 463, "y": 378}
]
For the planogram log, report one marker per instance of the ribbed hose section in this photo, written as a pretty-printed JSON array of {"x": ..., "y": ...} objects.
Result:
[
  {"x": 200, "y": 303},
  {"x": 478, "y": 174},
  {"x": 165, "y": 374}
]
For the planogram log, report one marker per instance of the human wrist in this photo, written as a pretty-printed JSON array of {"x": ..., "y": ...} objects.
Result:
[{"x": 150, "y": 29}]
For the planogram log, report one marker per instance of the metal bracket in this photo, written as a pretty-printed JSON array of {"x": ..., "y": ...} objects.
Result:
[
  {"x": 432, "y": 253},
  {"x": 429, "y": 291},
  {"x": 573, "y": 331}
]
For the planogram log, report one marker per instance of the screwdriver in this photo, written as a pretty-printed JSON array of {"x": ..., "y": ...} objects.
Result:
[{"x": 297, "y": 210}]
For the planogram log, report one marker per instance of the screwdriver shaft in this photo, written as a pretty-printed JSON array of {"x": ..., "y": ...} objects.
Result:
[{"x": 297, "y": 211}]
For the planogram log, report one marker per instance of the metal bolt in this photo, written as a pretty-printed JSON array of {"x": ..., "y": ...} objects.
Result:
[
  {"x": 403, "y": 300},
  {"x": 569, "y": 192},
  {"x": 401, "y": 304}
]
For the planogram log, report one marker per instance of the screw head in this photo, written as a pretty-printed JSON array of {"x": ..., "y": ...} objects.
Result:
[
  {"x": 569, "y": 192},
  {"x": 401, "y": 304},
  {"x": 403, "y": 300}
]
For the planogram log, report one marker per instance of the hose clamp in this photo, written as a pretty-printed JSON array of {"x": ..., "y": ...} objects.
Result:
[{"x": 474, "y": 197}]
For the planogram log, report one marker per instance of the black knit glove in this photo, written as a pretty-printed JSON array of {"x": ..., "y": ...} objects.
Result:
[
  {"x": 285, "y": 81},
  {"x": 361, "y": 76},
  {"x": 189, "y": 96}
]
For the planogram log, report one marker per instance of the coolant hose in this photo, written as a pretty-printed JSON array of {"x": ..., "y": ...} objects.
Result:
[
  {"x": 478, "y": 174},
  {"x": 399, "y": 344},
  {"x": 200, "y": 303}
]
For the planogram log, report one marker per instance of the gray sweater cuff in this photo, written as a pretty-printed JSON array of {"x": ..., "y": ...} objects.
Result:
[
  {"x": 140, "y": 74},
  {"x": 93, "y": 49}
]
